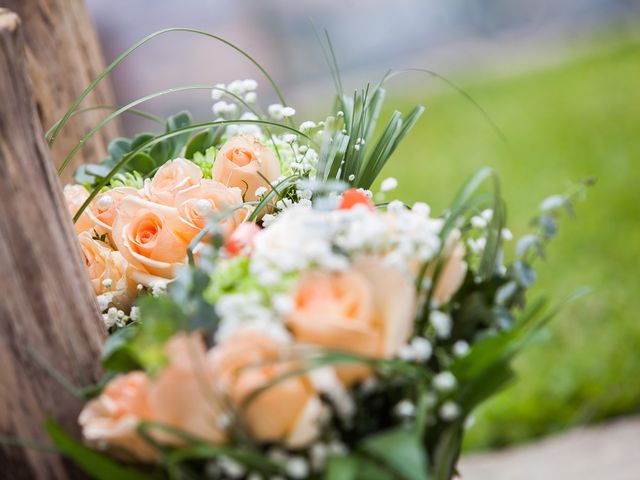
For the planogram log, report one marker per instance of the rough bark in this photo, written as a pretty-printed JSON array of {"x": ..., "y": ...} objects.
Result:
[
  {"x": 48, "y": 314},
  {"x": 64, "y": 56}
]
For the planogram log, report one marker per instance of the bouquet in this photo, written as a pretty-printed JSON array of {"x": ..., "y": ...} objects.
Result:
[{"x": 272, "y": 315}]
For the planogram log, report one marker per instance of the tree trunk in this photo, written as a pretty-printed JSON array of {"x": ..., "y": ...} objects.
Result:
[
  {"x": 64, "y": 56},
  {"x": 48, "y": 317}
]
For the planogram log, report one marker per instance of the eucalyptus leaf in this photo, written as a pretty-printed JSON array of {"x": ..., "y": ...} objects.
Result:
[{"x": 116, "y": 352}]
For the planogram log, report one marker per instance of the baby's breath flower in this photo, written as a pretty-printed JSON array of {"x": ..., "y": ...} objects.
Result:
[
  {"x": 441, "y": 322},
  {"x": 460, "y": 348},
  {"x": 249, "y": 84},
  {"x": 275, "y": 111},
  {"x": 297, "y": 467},
  {"x": 218, "y": 92},
  {"x": 288, "y": 112},
  {"x": 444, "y": 381},
  {"x": 388, "y": 184},
  {"x": 405, "y": 409},
  {"x": 306, "y": 126},
  {"x": 236, "y": 87},
  {"x": 449, "y": 410}
]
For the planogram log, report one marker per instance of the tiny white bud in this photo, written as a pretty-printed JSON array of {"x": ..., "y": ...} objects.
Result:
[
  {"x": 250, "y": 97},
  {"x": 460, "y": 348},
  {"x": 487, "y": 214},
  {"x": 444, "y": 382},
  {"x": 422, "y": 349},
  {"x": 218, "y": 92},
  {"x": 288, "y": 112},
  {"x": 388, "y": 184},
  {"x": 275, "y": 111},
  {"x": 237, "y": 87},
  {"x": 507, "y": 236},
  {"x": 220, "y": 108},
  {"x": 449, "y": 411},
  {"x": 405, "y": 409},
  {"x": 297, "y": 467},
  {"x": 421, "y": 209},
  {"x": 478, "y": 222},
  {"x": 308, "y": 125},
  {"x": 261, "y": 190},
  {"x": 107, "y": 282},
  {"x": 249, "y": 84},
  {"x": 441, "y": 323}
]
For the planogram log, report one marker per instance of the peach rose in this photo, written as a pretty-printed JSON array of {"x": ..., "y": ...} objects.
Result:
[
  {"x": 102, "y": 211},
  {"x": 75, "y": 196},
  {"x": 107, "y": 270},
  {"x": 171, "y": 178},
  {"x": 110, "y": 421},
  {"x": 144, "y": 232},
  {"x": 239, "y": 162},
  {"x": 367, "y": 310},
  {"x": 198, "y": 203},
  {"x": 288, "y": 411},
  {"x": 453, "y": 270},
  {"x": 182, "y": 395}
]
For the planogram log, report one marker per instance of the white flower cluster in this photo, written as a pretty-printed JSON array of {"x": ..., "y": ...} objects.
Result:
[
  {"x": 238, "y": 99},
  {"x": 301, "y": 238}
]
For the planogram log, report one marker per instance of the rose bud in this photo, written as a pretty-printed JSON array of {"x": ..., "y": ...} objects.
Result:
[{"x": 353, "y": 197}]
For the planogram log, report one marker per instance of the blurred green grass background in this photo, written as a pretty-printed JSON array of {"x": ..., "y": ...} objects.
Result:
[{"x": 564, "y": 123}]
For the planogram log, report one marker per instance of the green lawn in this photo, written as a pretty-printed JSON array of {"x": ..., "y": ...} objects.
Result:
[{"x": 563, "y": 124}]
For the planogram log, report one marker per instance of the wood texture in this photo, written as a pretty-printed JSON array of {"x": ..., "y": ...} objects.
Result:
[
  {"x": 48, "y": 314},
  {"x": 64, "y": 57}
]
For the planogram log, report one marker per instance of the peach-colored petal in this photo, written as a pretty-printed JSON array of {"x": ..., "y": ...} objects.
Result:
[
  {"x": 75, "y": 196},
  {"x": 197, "y": 204},
  {"x": 242, "y": 162},
  {"x": 143, "y": 233},
  {"x": 247, "y": 361},
  {"x": 368, "y": 310},
  {"x": 183, "y": 396},
  {"x": 170, "y": 179},
  {"x": 107, "y": 270},
  {"x": 453, "y": 271},
  {"x": 103, "y": 208},
  {"x": 111, "y": 420}
]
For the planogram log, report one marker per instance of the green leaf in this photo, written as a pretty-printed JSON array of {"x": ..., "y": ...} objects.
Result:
[
  {"x": 176, "y": 122},
  {"x": 251, "y": 459},
  {"x": 160, "y": 318},
  {"x": 96, "y": 464},
  {"x": 342, "y": 467},
  {"x": 142, "y": 162},
  {"x": 447, "y": 451},
  {"x": 118, "y": 148},
  {"x": 198, "y": 144},
  {"x": 117, "y": 354},
  {"x": 399, "y": 449}
]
